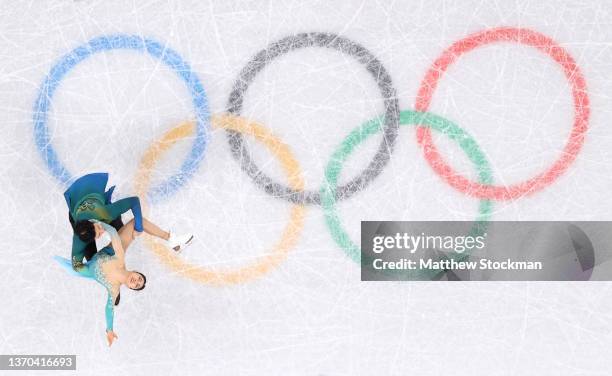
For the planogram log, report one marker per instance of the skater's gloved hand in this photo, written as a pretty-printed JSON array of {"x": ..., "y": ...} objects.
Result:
[{"x": 110, "y": 337}]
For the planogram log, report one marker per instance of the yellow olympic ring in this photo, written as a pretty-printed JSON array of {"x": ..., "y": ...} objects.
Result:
[{"x": 263, "y": 264}]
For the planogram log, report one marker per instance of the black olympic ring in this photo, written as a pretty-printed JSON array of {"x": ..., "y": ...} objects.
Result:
[{"x": 345, "y": 46}]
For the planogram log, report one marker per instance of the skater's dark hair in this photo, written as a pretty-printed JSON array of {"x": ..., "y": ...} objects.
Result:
[
  {"x": 85, "y": 231},
  {"x": 144, "y": 283}
]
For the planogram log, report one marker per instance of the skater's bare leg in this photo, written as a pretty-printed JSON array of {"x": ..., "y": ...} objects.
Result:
[
  {"x": 152, "y": 229},
  {"x": 126, "y": 233}
]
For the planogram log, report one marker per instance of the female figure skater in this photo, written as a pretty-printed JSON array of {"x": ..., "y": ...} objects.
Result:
[{"x": 107, "y": 266}]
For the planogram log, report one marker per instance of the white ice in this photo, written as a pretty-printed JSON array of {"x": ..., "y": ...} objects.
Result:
[{"x": 312, "y": 315}]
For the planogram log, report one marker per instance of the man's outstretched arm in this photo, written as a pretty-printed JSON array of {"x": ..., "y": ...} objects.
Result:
[{"x": 131, "y": 203}]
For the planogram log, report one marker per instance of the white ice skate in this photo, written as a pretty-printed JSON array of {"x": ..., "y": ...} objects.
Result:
[{"x": 179, "y": 242}]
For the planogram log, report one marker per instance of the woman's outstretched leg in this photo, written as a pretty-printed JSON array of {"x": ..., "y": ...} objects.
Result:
[
  {"x": 176, "y": 242},
  {"x": 152, "y": 229},
  {"x": 126, "y": 233}
]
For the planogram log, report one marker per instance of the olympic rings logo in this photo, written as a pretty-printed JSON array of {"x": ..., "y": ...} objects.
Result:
[{"x": 330, "y": 192}]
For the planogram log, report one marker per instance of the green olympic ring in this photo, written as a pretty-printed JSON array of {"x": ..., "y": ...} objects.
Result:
[{"x": 360, "y": 134}]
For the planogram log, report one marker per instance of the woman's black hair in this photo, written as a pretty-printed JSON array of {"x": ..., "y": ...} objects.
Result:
[
  {"x": 143, "y": 283},
  {"x": 85, "y": 231}
]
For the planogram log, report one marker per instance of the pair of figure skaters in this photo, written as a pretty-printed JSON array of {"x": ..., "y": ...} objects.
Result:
[{"x": 96, "y": 223}]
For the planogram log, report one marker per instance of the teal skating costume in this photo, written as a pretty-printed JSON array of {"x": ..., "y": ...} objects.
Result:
[
  {"x": 87, "y": 198},
  {"x": 93, "y": 269}
]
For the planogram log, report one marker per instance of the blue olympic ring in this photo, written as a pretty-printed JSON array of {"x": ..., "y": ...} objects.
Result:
[{"x": 127, "y": 42}]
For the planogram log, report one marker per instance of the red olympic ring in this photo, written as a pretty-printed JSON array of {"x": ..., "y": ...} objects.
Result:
[{"x": 571, "y": 149}]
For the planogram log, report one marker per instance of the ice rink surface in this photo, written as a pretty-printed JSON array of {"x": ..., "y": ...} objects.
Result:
[{"x": 308, "y": 314}]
